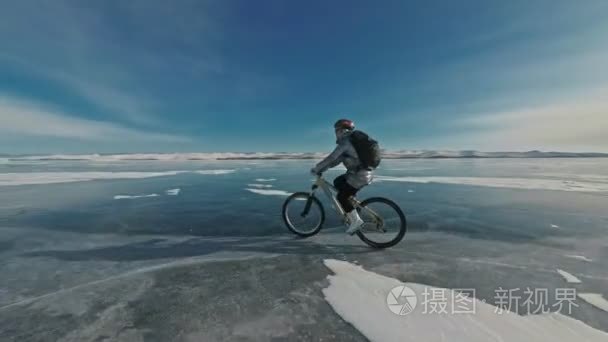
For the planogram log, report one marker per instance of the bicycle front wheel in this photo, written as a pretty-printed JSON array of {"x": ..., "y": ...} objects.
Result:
[
  {"x": 303, "y": 214},
  {"x": 385, "y": 223}
]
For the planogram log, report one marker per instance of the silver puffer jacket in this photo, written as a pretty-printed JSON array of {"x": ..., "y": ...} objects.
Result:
[{"x": 345, "y": 153}]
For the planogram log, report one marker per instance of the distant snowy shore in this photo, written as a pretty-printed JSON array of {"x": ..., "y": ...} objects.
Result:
[{"x": 403, "y": 154}]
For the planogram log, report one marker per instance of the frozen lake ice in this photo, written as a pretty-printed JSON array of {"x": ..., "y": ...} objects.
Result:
[{"x": 208, "y": 258}]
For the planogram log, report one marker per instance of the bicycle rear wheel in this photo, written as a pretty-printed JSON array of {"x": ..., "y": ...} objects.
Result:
[
  {"x": 385, "y": 223},
  {"x": 303, "y": 214}
]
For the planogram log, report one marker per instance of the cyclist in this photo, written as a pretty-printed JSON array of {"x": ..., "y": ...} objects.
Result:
[{"x": 356, "y": 177}]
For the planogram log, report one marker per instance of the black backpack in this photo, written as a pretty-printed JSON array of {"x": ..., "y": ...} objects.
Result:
[{"x": 367, "y": 149}]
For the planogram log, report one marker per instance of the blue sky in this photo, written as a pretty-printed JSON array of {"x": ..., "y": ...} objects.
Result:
[{"x": 185, "y": 76}]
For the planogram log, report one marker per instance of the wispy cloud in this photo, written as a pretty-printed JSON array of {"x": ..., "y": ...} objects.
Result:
[
  {"x": 570, "y": 124},
  {"x": 522, "y": 86},
  {"x": 116, "y": 102},
  {"x": 26, "y": 118},
  {"x": 132, "y": 108},
  {"x": 79, "y": 48},
  {"x": 65, "y": 48}
]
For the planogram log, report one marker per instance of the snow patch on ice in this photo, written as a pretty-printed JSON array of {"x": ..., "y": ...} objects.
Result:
[
  {"x": 31, "y": 178},
  {"x": 412, "y": 169},
  {"x": 554, "y": 226},
  {"x": 583, "y": 177},
  {"x": 34, "y": 178},
  {"x": 265, "y": 179},
  {"x": 259, "y": 185},
  {"x": 269, "y": 192},
  {"x": 359, "y": 297},
  {"x": 214, "y": 172},
  {"x": 173, "y": 192},
  {"x": 578, "y": 257},
  {"x": 117, "y": 197},
  {"x": 569, "y": 277},
  {"x": 595, "y": 299},
  {"x": 167, "y": 157},
  {"x": 506, "y": 182},
  {"x": 410, "y": 190}
]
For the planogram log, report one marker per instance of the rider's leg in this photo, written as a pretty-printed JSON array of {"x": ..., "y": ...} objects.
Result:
[{"x": 345, "y": 192}]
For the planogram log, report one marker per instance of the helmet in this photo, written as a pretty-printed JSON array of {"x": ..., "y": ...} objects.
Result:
[{"x": 344, "y": 124}]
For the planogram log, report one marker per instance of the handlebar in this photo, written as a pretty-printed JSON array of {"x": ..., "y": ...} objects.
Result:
[{"x": 318, "y": 174}]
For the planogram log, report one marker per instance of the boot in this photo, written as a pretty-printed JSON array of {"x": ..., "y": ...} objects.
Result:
[{"x": 355, "y": 222}]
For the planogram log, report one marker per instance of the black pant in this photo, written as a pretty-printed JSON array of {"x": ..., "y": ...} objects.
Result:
[{"x": 345, "y": 191}]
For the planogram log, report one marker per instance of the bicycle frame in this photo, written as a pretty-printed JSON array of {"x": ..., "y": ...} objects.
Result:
[{"x": 329, "y": 191}]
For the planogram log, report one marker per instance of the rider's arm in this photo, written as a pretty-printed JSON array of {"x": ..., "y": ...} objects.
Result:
[{"x": 331, "y": 160}]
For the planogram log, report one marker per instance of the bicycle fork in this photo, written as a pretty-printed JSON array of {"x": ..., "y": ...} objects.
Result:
[
  {"x": 307, "y": 206},
  {"x": 309, "y": 201},
  {"x": 327, "y": 192}
]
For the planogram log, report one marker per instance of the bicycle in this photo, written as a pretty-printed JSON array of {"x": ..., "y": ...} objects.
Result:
[{"x": 375, "y": 219}]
